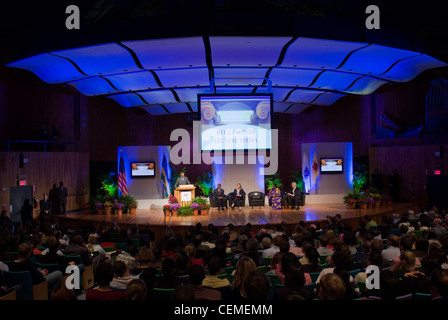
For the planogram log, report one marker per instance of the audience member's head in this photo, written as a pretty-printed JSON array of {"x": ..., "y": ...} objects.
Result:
[
  {"x": 144, "y": 256},
  {"x": 183, "y": 292},
  {"x": 214, "y": 266},
  {"x": 389, "y": 285},
  {"x": 196, "y": 274},
  {"x": 393, "y": 240},
  {"x": 429, "y": 264},
  {"x": 104, "y": 274},
  {"x": 244, "y": 267},
  {"x": 439, "y": 281},
  {"x": 120, "y": 269},
  {"x": 24, "y": 250},
  {"x": 376, "y": 246},
  {"x": 332, "y": 287},
  {"x": 257, "y": 286},
  {"x": 284, "y": 246},
  {"x": 136, "y": 290},
  {"x": 168, "y": 267}
]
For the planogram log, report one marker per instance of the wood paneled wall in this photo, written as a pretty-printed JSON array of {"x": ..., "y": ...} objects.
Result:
[
  {"x": 413, "y": 164},
  {"x": 43, "y": 170}
]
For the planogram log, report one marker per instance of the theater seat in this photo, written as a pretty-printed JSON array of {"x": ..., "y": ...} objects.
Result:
[
  {"x": 29, "y": 291},
  {"x": 256, "y": 199},
  {"x": 241, "y": 201}
]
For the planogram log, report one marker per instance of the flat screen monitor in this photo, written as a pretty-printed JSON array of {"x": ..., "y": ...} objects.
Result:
[
  {"x": 331, "y": 165},
  {"x": 143, "y": 169},
  {"x": 235, "y": 121}
]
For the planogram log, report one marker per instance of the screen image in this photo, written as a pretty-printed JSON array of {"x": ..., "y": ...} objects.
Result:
[
  {"x": 235, "y": 122},
  {"x": 331, "y": 165},
  {"x": 143, "y": 169}
]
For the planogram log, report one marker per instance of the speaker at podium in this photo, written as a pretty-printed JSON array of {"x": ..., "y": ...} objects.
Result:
[{"x": 184, "y": 194}]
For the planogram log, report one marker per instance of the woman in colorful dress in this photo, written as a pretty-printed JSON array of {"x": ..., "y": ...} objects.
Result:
[{"x": 276, "y": 198}]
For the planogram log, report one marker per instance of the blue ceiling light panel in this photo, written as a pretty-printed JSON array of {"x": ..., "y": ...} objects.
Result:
[
  {"x": 290, "y": 77},
  {"x": 155, "y": 110},
  {"x": 158, "y": 96},
  {"x": 328, "y": 98},
  {"x": 191, "y": 94},
  {"x": 408, "y": 69},
  {"x": 234, "y": 89},
  {"x": 101, "y": 59},
  {"x": 191, "y": 77},
  {"x": 278, "y": 94},
  {"x": 49, "y": 68},
  {"x": 246, "y": 51},
  {"x": 375, "y": 60},
  {"x": 164, "y": 76},
  {"x": 318, "y": 53},
  {"x": 303, "y": 95},
  {"x": 93, "y": 86},
  {"x": 128, "y": 99},
  {"x": 239, "y": 76},
  {"x": 133, "y": 81},
  {"x": 169, "y": 53}
]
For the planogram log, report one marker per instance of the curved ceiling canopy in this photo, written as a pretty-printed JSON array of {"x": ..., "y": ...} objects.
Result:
[{"x": 164, "y": 76}]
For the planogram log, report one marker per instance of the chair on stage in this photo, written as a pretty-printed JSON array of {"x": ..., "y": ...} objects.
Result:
[
  {"x": 241, "y": 202},
  {"x": 214, "y": 202},
  {"x": 256, "y": 199}
]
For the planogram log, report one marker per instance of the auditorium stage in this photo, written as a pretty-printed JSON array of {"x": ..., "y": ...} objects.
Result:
[{"x": 257, "y": 217}]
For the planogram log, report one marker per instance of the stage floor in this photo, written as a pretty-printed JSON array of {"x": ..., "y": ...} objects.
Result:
[{"x": 256, "y": 216}]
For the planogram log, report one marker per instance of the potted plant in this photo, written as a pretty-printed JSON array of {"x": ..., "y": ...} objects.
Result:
[
  {"x": 174, "y": 208},
  {"x": 204, "y": 209},
  {"x": 351, "y": 197},
  {"x": 98, "y": 207},
  {"x": 351, "y": 203},
  {"x": 386, "y": 200},
  {"x": 108, "y": 207},
  {"x": 377, "y": 197},
  {"x": 132, "y": 208},
  {"x": 86, "y": 208},
  {"x": 172, "y": 199},
  {"x": 185, "y": 211},
  {"x": 127, "y": 200},
  {"x": 370, "y": 202},
  {"x": 362, "y": 203},
  {"x": 166, "y": 210},
  {"x": 119, "y": 208},
  {"x": 195, "y": 207}
]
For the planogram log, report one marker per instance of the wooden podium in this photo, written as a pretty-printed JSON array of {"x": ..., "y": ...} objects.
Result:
[{"x": 184, "y": 194}]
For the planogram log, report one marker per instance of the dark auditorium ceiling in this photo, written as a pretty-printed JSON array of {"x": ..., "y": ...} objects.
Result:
[{"x": 158, "y": 55}]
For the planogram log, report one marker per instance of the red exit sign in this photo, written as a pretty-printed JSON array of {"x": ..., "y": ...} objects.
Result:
[{"x": 437, "y": 172}]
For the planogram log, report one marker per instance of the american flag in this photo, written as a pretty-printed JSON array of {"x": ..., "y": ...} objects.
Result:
[{"x": 122, "y": 185}]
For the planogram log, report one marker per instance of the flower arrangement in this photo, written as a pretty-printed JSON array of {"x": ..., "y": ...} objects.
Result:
[
  {"x": 98, "y": 205},
  {"x": 175, "y": 206},
  {"x": 194, "y": 206},
  {"x": 362, "y": 201},
  {"x": 350, "y": 201},
  {"x": 86, "y": 206},
  {"x": 185, "y": 211},
  {"x": 204, "y": 207},
  {"x": 166, "y": 207},
  {"x": 132, "y": 206},
  {"x": 172, "y": 199},
  {"x": 108, "y": 204},
  {"x": 370, "y": 200},
  {"x": 377, "y": 197},
  {"x": 119, "y": 205}
]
